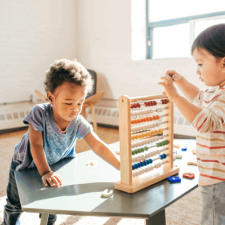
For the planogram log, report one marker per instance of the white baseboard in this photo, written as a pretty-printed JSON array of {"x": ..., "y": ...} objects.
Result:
[{"x": 11, "y": 116}]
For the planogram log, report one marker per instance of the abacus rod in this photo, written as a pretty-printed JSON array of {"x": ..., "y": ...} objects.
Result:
[{"x": 134, "y": 99}]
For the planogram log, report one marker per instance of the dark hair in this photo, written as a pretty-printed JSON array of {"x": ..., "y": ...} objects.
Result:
[
  {"x": 65, "y": 70},
  {"x": 212, "y": 39}
]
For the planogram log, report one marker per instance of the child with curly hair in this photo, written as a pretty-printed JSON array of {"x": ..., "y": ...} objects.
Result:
[
  {"x": 205, "y": 109},
  {"x": 53, "y": 130}
]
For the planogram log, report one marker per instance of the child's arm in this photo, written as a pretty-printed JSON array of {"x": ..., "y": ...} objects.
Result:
[
  {"x": 38, "y": 154},
  {"x": 187, "y": 109},
  {"x": 188, "y": 89},
  {"x": 102, "y": 149}
]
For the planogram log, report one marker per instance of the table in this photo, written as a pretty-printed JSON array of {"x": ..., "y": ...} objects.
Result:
[{"x": 83, "y": 186}]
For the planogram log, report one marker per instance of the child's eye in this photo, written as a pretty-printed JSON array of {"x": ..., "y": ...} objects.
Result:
[
  {"x": 80, "y": 103},
  {"x": 199, "y": 65},
  {"x": 68, "y": 103}
]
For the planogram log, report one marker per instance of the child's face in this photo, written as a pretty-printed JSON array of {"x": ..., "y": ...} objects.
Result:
[
  {"x": 210, "y": 69},
  {"x": 67, "y": 101}
]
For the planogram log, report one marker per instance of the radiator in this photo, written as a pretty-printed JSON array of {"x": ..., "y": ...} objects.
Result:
[{"x": 11, "y": 117}]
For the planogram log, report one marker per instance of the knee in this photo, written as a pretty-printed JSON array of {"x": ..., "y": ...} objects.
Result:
[
  {"x": 51, "y": 219},
  {"x": 14, "y": 208}
]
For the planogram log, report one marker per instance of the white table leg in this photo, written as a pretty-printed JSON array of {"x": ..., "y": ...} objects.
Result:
[{"x": 44, "y": 218}]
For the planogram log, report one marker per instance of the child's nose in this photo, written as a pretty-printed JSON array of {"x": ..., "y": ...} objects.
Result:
[
  {"x": 76, "y": 108},
  {"x": 198, "y": 71}
]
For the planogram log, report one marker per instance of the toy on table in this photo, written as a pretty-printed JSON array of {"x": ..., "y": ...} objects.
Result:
[
  {"x": 107, "y": 193},
  {"x": 178, "y": 156},
  {"x": 189, "y": 175},
  {"x": 174, "y": 179},
  {"x": 146, "y": 141},
  {"x": 91, "y": 163},
  {"x": 176, "y": 146},
  {"x": 192, "y": 163}
]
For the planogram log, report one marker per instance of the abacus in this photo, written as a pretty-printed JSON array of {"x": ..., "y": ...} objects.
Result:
[{"x": 146, "y": 141}]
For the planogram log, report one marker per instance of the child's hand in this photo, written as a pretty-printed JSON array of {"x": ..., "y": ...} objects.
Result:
[
  {"x": 51, "y": 178},
  {"x": 170, "y": 90},
  {"x": 174, "y": 75}
]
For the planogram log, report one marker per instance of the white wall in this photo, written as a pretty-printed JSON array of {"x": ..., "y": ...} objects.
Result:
[
  {"x": 104, "y": 44},
  {"x": 97, "y": 32},
  {"x": 33, "y": 34}
]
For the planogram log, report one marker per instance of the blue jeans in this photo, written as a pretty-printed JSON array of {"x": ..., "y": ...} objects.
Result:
[
  {"x": 213, "y": 204},
  {"x": 13, "y": 209}
]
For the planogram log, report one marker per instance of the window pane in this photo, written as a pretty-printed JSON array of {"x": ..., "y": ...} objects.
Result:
[
  {"x": 172, "y": 41},
  {"x": 203, "y": 24},
  {"x": 164, "y": 9}
]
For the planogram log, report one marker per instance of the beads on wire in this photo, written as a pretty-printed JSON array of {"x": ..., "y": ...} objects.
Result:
[{"x": 147, "y": 151}]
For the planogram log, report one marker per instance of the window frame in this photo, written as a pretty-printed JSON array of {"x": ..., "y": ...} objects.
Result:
[{"x": 150, "y": 26}]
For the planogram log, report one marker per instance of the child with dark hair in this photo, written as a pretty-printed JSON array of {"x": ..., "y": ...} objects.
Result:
[
  {"x": 53, "y": 130},
  {"x": 205, "y": 110}
]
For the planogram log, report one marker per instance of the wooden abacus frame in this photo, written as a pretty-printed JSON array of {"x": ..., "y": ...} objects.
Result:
[{"x": 127, "y": 182}]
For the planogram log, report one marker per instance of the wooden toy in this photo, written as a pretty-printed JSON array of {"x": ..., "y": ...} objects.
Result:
[
  {"x": 107, "y": 193},
  {"x": 146, "y": 142},
  {"x": 174, "y": 179},
  {"x": 192, "y": 163},
  {"x": 189, "y": 175},
  {"x": 176, "y": 146}
]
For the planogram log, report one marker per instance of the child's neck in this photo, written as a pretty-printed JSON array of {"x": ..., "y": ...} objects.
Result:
[
  {"x": 61, "y": 124},
  {"x": 222, "y": 84}
]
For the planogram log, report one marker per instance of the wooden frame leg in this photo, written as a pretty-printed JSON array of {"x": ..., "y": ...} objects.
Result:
[
  {"x": 159, "y": 219},
  {"x": 93, "y": 117},
  {"x": 44, "y": 218}
]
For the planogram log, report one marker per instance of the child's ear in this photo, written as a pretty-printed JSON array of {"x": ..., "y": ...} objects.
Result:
[
  {"x": 223, "y": 62},
  {"x": 50, "y": 97}
]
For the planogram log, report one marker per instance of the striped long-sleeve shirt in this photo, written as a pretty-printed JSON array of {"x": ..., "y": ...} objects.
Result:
[{"x": 210, "y": 140}]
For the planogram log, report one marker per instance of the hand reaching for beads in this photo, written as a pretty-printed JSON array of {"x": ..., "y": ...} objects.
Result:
[
  {"x": 176, "y": 77},
  {"x": 169, "y": 89}
]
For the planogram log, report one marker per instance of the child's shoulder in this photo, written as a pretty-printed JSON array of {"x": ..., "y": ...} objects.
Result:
[
  {"x": 215, "y": 90},
  {"x": 213, "y": 94},
  {"x": 38, "y": 115},
  {"x": 42, "y": 107},
  {"x": 40, "y": 110}
]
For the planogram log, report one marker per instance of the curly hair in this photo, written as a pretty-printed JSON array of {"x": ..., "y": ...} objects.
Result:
[{"x": 64, "y": 70}]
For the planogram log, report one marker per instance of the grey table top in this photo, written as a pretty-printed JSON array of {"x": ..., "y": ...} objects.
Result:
[{"x": 83, "y": 186}]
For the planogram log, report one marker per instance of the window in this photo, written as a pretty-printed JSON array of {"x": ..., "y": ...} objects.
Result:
[{"x": 172, "y": 25}]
